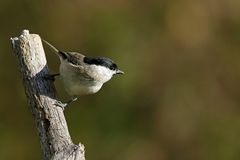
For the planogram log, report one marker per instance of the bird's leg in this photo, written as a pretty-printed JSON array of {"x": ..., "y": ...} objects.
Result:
[
  {"x": 73, "y": 99},
  {"x": 51, "y": 76},
  {"x": 64, "y": 105}
]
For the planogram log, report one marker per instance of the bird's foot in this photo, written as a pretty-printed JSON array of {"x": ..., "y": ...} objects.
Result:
[
  {"x": 64, "y": 105},
  {"x": 73, "y": 99},
  {"x": 60, "y": 104},
  {"x": 51, "y": 77}
]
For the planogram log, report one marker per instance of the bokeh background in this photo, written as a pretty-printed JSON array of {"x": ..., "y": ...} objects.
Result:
[{"x": 179, "y": 98}]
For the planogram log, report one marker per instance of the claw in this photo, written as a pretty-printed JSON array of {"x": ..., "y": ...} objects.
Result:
[
  {"x": 60, "y": 104},
  {"x": 64, "y": 105},
  {"x": 72, "y": 100},
  {"x": 51, "y": 76}
]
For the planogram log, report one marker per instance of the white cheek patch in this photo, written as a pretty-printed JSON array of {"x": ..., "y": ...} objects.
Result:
[{"x": 104, "y": 73}]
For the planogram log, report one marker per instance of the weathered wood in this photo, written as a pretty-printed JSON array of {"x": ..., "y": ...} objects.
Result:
[{"x": 52, "y": 128}]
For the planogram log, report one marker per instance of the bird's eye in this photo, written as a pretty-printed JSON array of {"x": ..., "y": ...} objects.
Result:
[{"x": 113, "y": 67}]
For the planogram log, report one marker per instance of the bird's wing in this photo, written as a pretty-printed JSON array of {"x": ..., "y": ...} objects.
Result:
[
  {"x": 73, "y": 57},
  {"x": 76, "y": 61},
  {"x": 82, "y": 74}
]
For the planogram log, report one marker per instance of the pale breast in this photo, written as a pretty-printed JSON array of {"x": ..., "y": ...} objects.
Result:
[
  {"x": 79, "y": 89},
  {"x": 77, "y": 84}
]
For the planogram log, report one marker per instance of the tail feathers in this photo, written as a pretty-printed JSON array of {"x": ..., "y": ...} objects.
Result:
[
  {"x": 54, "y": 49},
  {"x": 61, "y": 54}
]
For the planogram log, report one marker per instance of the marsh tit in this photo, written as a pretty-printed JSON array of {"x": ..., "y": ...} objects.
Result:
[{"x": 82, "y": 75}]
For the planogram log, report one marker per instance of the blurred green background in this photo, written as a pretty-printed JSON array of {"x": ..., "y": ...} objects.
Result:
[{"x": 179, "y": 98}]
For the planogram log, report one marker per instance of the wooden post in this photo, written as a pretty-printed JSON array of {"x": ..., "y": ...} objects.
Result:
[{"x": 52, "y": 128}]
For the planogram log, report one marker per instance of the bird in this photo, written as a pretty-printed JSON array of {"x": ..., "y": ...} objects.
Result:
[{"x": 82, "y": 75}]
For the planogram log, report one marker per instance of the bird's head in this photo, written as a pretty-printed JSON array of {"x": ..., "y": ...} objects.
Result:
[{"x": 103, "y": 67}]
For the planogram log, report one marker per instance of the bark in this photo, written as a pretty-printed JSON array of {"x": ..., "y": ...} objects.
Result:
[{"x": 55, "y": 139}]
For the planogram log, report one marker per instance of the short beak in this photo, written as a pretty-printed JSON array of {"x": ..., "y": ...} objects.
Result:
[{"x": 119, "y": 72}]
